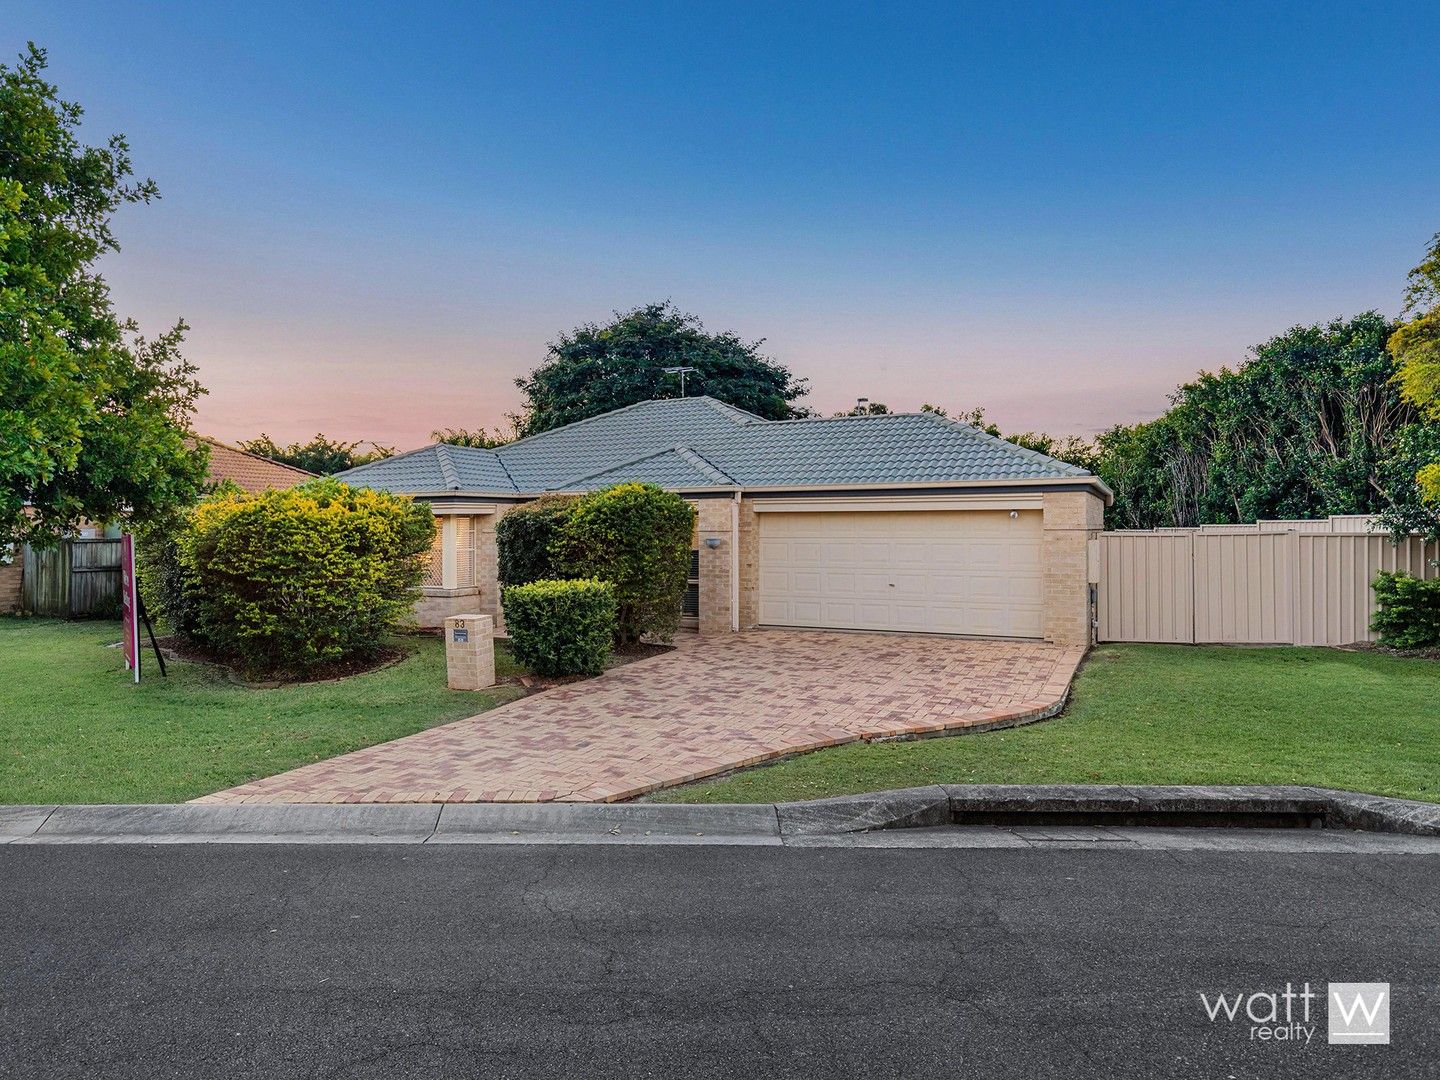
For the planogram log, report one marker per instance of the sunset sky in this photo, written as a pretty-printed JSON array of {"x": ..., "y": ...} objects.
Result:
[{"x": 375, "y": 216}]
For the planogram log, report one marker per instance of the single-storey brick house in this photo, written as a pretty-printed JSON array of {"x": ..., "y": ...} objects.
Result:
[{"x": 901, "y": 522}]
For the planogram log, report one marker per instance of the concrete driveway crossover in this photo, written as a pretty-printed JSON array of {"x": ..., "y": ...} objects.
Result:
[{"x": 714, "y": 705}]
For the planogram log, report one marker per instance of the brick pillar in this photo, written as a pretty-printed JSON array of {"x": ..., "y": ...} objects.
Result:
[
  {"x": 715, "y": 522},
  {"x": 469, "y": 652},
  {"x": 749, "y": 564},
  {"x": 1071, "y": 519}
]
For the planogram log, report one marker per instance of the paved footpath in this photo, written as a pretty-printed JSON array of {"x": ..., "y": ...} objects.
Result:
[
  {"x": 190, "y": 962},
  {"x": 717, "y": 704}
]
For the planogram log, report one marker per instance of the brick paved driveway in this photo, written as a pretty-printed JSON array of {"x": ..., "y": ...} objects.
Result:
[{"x": 710, "y": 706}]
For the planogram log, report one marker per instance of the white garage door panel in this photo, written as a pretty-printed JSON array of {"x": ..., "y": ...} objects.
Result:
[{"x": 947, "y": 572}]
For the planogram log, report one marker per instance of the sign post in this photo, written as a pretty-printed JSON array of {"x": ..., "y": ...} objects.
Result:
[{"x": 130, "y": 604}]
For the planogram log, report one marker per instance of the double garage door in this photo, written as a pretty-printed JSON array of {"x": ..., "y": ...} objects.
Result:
[{"x": 940, "y": 572}]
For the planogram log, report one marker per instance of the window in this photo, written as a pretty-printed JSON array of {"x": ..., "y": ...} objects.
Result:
[{"x": 691, "y": 606}]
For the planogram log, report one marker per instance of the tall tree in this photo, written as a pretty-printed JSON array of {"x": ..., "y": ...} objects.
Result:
[
  {"x": 1416, "y": 345},
  {"x": 93, "y": 417},
  {"x": 320, "y": 455},
  {"x": 595, "y": 369},
  {"x": 1311, "y": 424}
]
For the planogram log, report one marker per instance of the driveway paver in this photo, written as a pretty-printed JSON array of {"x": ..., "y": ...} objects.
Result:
[{"x": 711, "y": 706}]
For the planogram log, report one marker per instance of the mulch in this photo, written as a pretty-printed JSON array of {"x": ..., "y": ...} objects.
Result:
[
  {"x": 184, "y": 649},
  {"x": 627, "y": 654},
  {"x": 1387, "y": 650}
]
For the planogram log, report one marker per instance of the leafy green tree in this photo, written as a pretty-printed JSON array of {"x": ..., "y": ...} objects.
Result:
[
  {"x": 1416, "y": 345},
  {"x": 479, "y": 437},
  {"x": 93, "y": 416},
  {"x": 595, "y": 369},
  {"x": 1303, "y": 428},
  {"x": 320, "y": 455}
]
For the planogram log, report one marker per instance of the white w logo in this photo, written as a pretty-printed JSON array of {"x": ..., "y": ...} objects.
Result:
[
  {"x": 1360, "y": 1012},
  {"x": 1359, "y": 1004}
]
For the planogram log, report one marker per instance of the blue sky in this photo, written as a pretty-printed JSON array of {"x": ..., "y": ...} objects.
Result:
[{"x": 375, "y": 216}]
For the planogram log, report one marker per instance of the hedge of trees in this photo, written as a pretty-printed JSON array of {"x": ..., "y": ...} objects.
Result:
[{"x": 1338, "y": 418}]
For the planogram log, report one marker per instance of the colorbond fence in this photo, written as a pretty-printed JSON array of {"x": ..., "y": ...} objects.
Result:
[{"x": 1244, "y": 586}]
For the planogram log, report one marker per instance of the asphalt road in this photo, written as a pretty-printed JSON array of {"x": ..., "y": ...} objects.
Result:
[{"x": 492, "y": 961}]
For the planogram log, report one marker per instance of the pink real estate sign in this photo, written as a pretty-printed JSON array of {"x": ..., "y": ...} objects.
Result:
[{"x": 130, "y": 604}]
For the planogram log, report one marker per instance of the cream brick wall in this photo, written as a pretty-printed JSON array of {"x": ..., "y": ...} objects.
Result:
[
  {"x": 434, "y": 606},
  {"x": 1071, "y": 518}
]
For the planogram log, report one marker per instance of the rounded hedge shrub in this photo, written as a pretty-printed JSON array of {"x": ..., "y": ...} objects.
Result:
[
  {"x": 1407, "y": 614},
  {"x": 290, "y": 580},
  {"x": 561, "y": 627},
  {"x": 637, "y": 537},
  {"x": 524, "y": 538}
]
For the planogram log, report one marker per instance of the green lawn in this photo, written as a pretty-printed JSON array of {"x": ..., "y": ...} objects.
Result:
[
  {"x": 74, "y": 728},
  {"x": 1158, "y": 714}
]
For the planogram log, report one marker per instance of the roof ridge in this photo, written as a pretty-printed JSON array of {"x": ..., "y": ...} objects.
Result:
[
  {"x": 704, "y": 464},
  {"x": 844, "y": 416},
  {"x": 713, "y": 403},
  {"x": 725, "y": 406},
  {"x": 700, "y": 465},
  {"x": 611, "y": 468},
  {"x": 447, "y": 467}
]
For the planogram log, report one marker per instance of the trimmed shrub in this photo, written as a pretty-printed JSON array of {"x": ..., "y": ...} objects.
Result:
[
  {"x": 1407, "y": 615},
  {"x": 561, "y": 627},
  {"x": 637, "y": 537},
  {"x": 525, "y": 536},
  {"x": 289, "y": 580}
]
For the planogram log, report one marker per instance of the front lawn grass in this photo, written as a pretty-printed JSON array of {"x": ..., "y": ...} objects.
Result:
[
  {"x": 75, "y": 729},
  {"x": 1159, "y": 714}
]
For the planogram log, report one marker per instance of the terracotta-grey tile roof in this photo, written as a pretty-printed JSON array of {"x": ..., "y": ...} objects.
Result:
[
  {"x": 899, "y": 448},
  {"x": 679, "y": 468},
  {"x": 250, "y": 472},
  {"x": 613, "y": 438},
  {"x": 690, "y": 443}
]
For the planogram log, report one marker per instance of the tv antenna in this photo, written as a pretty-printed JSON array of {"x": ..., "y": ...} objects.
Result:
[{"x": 682, "y": 372}]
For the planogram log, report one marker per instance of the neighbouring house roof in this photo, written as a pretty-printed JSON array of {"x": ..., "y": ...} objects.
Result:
[
  {"x": 696, "y": 443},
  {"x": 251, "y": 472}
]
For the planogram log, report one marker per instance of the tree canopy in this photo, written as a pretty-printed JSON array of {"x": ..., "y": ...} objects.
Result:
[
  {"x": 93, "y": 416},
  {"x": 1313, "y": 423},
  {"x": 321, "y": 455},
  {"x": 1416, "y": 345},
  {"x": 594, "y": 369}
]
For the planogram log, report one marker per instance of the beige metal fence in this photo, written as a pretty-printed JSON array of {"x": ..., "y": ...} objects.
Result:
[{"x": 1245, "y": 587}]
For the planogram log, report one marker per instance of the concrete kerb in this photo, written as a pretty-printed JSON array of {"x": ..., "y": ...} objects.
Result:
[{"x": 756, "y": 824}]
